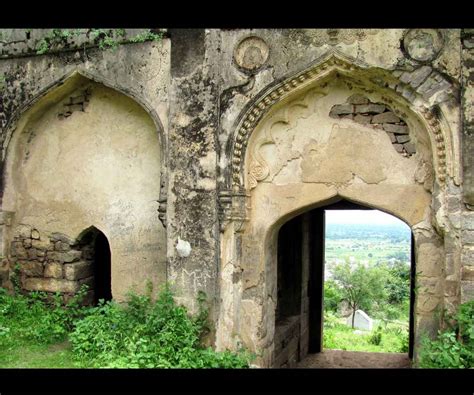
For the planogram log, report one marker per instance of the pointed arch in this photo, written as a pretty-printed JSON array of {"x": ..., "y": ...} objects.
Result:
[
  {"x": 96, "y": 254},
  {"x": 53, "y": 92},
  {"x": 68, "y": 166},
  {"x": 402, "y": 97}
]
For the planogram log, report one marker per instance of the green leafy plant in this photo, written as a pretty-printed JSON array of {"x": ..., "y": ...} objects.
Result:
[
  {"x": 454, "y": 345},
  {"x": 108, "y": 38},
  {"x": 147, "y": 35},
  {"x": 376, "y": 337},
  {"x": 55, "y": 38},
  {"x": 147, "y": 334}
]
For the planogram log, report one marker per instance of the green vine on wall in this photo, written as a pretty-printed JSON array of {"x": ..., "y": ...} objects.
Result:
[{"x": 105, "y": 39}]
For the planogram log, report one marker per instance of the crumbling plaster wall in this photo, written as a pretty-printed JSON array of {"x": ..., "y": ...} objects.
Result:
[
  {"x": 197, "y": 86},
  {"x": 425, "y": 67},
  {"x": 122, "y": 130},
  {"x": 98, "y": 165}
]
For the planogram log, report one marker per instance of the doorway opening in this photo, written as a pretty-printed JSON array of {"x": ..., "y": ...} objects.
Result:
[
  {"x": 310, "y": 247},
  {"x": 96, "y": 252}
]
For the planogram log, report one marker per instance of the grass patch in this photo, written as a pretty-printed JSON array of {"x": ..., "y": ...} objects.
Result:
[
  {"x": 28, "y": 355},
  {"x": 37, "y": 331},
  {"x": 385, "y": 338}
]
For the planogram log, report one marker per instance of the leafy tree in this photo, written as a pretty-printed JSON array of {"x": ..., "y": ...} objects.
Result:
[
  {"x": 332, "y": 296},
  {"x": 398, "y": 281},
  {"x": 361, "y": 286}
]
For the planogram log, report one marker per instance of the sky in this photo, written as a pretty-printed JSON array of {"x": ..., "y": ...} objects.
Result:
[{"x": 375, "y": 217}]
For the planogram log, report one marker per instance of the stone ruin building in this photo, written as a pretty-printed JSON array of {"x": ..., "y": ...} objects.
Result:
[{"x": 206, "y": 158}]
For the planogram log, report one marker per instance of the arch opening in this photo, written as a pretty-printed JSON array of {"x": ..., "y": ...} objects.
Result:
[
  {"x": 292, "y": 152},
  {"x": 97, "y": 259},
  {"x": 85, "y": 153},
  {"x": 301, "y": 313}
]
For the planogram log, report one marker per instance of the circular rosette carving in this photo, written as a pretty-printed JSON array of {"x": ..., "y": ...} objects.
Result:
[
  {"x": 423, "y": 45},
  {"x": 259, "y": 171},
  {"x": 251, "y": 53}
]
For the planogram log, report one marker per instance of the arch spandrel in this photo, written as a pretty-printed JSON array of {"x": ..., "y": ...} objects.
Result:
[
  {"x": 407, "y": 104},
  {"x": 57, "y": 90}
]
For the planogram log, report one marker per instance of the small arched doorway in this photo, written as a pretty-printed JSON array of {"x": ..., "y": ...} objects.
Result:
[
  {"x": 299, "y": 315},
  {"x": 96, "y": 252}
]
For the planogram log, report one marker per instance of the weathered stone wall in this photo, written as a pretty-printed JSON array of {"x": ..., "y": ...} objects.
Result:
[
  {"x": 50, "y": 263},
  {"x": 230, "y": 175},
  {"x": 72, "y": 167},
  {"x": 464, "y": 213},
  {"x": 84, "y": 144}
]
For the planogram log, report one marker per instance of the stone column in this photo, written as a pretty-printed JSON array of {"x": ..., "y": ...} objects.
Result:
[
  {"x": 468, "y": 115},
  {"x": 192, "y": 225},
  {"x": 467, "y": 224}
]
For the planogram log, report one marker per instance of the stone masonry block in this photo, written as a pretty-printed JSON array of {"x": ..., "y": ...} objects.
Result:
[
  {"x": 51, "y": 285},
  {"x": 468, "y": 221},
  {"x": 62, "y": 246},
  {"x": 60, "y": 237},
  {"x": 27, "y": 243},
  {"x": 18, "y": 250},
  {"x": 397, "y": 129},
  {"x": 77, "y": 270},
  {"x": 410, "y": 147},
  {"x": 467, "y": 291},
  {"x": 386, "y": 117},
  {"x": 32, "y": 254},
  {"x": 468, "y": 273},
  {"x": 451, "y": 288},
  {"x": 342, "y": 109},
  {"x": 429, "y": 285},
  {"x": 398, "y": 148},
  {"x": 42, "y": 244},
  {"x": 53, "y": 269},
  {"x": 24, "y": 231},
  {"x": 364, "y": 119},
  {"x": 467, "y": 256},
  {"x": 31, "y": 268},
  {"x": 369, "y": 108},
  {"x": 65, "y": 257},
  {"x": 467, "y": 236},
  {"x": 403, "y": 138}
]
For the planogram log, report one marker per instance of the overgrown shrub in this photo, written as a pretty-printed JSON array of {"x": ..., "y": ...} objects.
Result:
[
  {"x": 38, "y": 317},
  {"x": 376, "y": 337},
  {"x": 454, "y": 346},
  {"x": 147, "y": 334}
]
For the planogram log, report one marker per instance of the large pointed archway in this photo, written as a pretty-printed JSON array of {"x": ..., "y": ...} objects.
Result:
[
  {"x": 300, "y": 311},
  {"x": 299, "y": 147}
]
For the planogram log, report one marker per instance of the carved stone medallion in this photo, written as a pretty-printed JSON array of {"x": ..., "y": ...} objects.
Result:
[
  {"x": 423, "y": 45},
  {"x": 251, "y": 53}
]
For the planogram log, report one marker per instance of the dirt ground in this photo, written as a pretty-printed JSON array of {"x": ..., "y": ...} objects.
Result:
[{"x": 355, "y": 359}]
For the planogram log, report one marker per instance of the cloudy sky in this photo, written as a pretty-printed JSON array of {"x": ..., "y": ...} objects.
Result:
[{"x": 375, "y": 217}]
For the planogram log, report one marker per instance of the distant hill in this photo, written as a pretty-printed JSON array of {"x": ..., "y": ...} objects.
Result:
[{"x": 394, "y": 232}]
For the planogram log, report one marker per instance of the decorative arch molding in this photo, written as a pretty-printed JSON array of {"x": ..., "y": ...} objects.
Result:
[
  {"x": 75, "y": 76},
  {"x": 394, "y": 92},
  {"x": 403, "y": 99}
]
